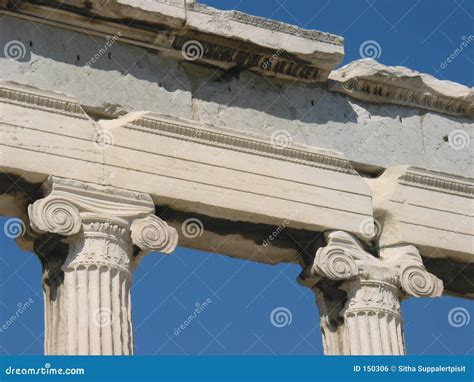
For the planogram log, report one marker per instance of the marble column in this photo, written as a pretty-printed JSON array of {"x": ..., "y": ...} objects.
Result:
[
  {"x": 359, "y": 293},
  {"x": 90, "y": 239}
]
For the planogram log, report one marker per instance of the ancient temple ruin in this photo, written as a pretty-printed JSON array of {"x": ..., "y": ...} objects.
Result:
[{"x": 122, "y": 117}]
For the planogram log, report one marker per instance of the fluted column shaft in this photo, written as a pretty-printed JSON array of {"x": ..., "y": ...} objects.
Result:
[
  {"x": 97, "y": 241},
  {"x": 359, "y": 295}
]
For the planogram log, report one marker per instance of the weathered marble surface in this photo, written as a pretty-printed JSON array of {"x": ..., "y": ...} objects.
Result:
[{"x": 133, "y": 79}]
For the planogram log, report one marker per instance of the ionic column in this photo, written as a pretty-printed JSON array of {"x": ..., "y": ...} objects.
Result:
[
  {"x": 92, "y": 238},
  {"x": 359, "y": 294}
]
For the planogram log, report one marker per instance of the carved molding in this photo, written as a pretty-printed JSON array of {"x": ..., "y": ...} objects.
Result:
[
  {"x": 153, "y": 234},
  {"x": 269, "y": 24},
  {"x": 389, "y": 93},
  {"x": 414, "y": 279},
  {"x": 420, "y": 178},
  {"x": 166, "y": 26},
  {"x": 266, "y": 64},
  {"x": 41, "y": 102},
  {"x": 255, "y": 146}
]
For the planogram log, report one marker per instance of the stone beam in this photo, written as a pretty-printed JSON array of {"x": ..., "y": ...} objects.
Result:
[
  {"x": 240, "y": 186},
  {"x": 430, "y": 210},
  {"x": 185, "y": 164},
  {"x": 186, "y": 30}
]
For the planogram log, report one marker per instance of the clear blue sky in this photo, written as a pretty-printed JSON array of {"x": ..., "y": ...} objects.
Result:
[{"x": 417, "y": 34}]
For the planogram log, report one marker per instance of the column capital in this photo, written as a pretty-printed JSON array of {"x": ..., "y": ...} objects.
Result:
[
  {"x": 344, "y": 258},
  {"x": 71, "y": 206},
  {"x": 359, "y": 293}
]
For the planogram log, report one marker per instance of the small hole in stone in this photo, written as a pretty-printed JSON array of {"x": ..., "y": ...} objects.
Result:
[
  {"x": 445, "y": 138},
  {"x": 78, "y": 57},
  {"x": 312, "y": 102},
  {"x": 109, "y": 55},
  {"x": 31, "y": 43}
]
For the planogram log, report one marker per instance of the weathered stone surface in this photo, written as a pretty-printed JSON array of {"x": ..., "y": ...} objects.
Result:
[
  {"x": 359, "y": 294},
  {"x": 195, "y": 32},
  {"x": 370, "y": 81},
  {"x": 87, "y": 280},
  {"x": 323, "y": 49},
  {"x": 194, "y": 166},
  {"x": 430, "y": 210},
  {"x": 380, "y": 135},
  {"x": 172, "y": 113}
]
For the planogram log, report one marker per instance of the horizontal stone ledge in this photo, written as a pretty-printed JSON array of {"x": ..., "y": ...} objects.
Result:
[
  {"x": 193, "y": 166},
  {"x": 232, "y": 176},
  {"x": 370, "y": 81},
  {"x": 197, "y": 33}
]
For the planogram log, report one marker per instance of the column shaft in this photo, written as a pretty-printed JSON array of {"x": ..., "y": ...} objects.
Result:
[{"x": 96, "y": 237}]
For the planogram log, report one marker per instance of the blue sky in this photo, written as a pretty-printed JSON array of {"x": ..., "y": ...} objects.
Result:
[{"x": 242, "y": 295}]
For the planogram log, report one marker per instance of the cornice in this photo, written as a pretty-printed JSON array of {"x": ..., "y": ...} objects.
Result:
[
  {"x": 438, "y": 182},
  {"x": 269, "y": 24},
  {"x": 304, "y": 55},
  {"x": 370, "y": 81},
  {"x": 382, "y": 92},
  {"x": 39, "y": 101}
]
